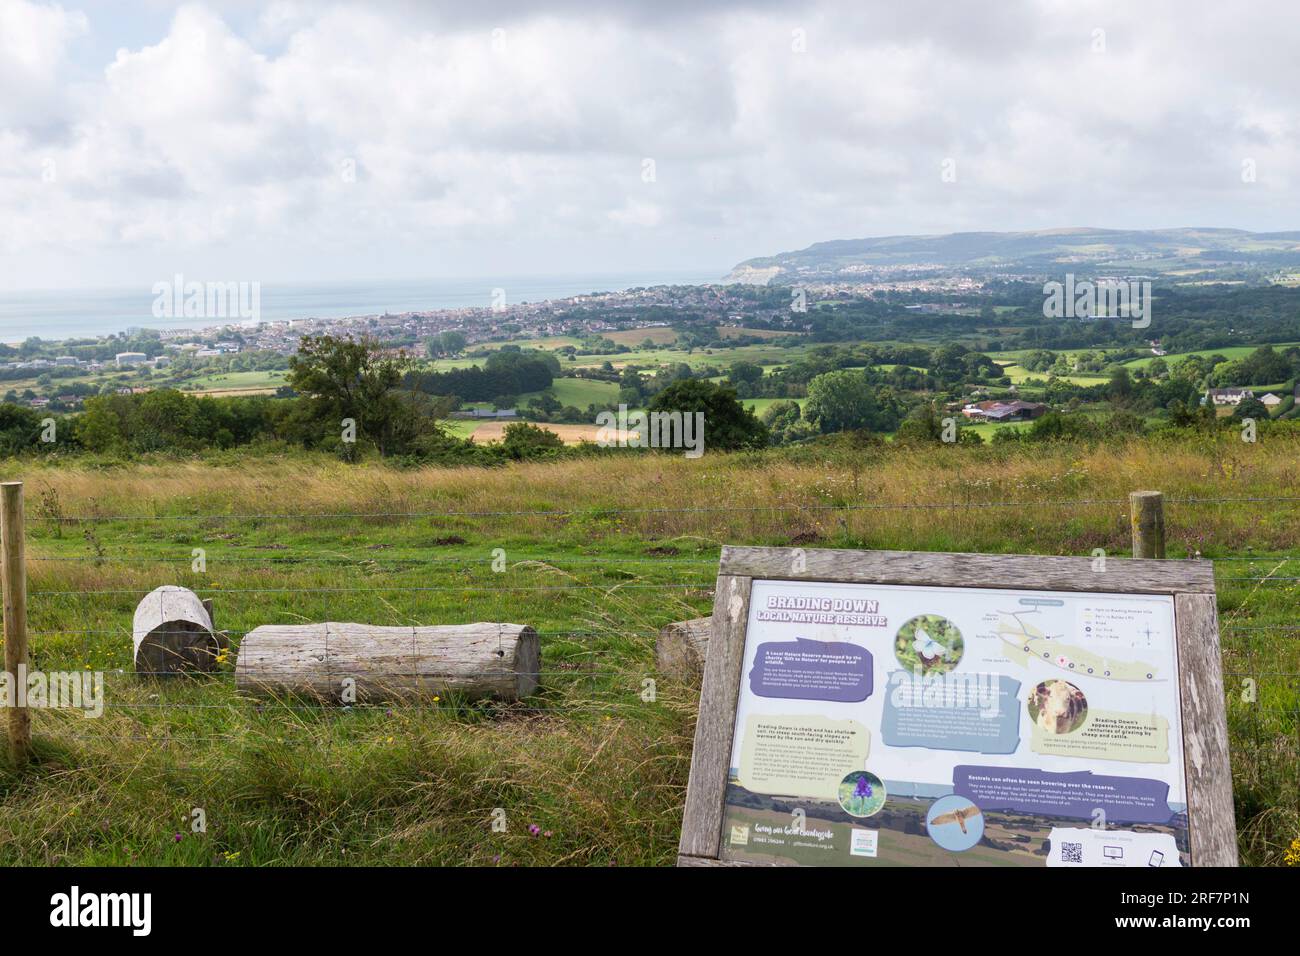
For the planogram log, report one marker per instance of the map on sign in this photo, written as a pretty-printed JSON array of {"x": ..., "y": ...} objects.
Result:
[
  {"x": 1020, "y": 630},
  {"x": 887, "y": 725}
]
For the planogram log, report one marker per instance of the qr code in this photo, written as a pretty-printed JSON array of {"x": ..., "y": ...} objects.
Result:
[{"x": 1071, "y": 852}]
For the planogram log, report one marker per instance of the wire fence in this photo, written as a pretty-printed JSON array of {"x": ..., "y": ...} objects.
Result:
[{"x": 596, "y": 615}]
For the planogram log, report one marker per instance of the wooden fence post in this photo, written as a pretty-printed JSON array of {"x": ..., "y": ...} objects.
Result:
[
  {"x": 1147, "y": 516},
  {"x": 13, "y": 571}
]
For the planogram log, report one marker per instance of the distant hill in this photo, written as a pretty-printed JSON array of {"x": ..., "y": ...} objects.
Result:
[{"x": 1150, "y": 251}]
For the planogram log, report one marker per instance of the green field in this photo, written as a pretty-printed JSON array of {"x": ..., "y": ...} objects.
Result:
[
  {"x": 460, "y": 427},
  {"x": 581, "y": 392},
  {"x": 599, "y": 553},
  {"x": 765, "y": 355},
  {"x": 760, "y": 405},
  {"x": 1019, "y": 375},
  {"x": 234, "y": 380},
  {"x": 1230, "y": 353}
]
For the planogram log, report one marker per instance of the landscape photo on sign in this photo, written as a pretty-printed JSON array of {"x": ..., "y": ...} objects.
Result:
[{"x": 965, "y": 749}]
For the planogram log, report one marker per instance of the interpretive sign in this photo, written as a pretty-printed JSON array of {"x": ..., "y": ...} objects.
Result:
[{"x": 867, "y": 708}]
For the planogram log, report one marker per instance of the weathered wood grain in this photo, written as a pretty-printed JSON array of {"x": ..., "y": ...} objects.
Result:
[
  {"x": 1211, "y": 821},
  {"x": 711, "y": 758},
  {"x": 15, "y": 609},
  {"x": 684, "y": 860},
  {"x": 1147, "y": 519},
  {"x": 173, "y": 633},
  {"x": 943, "y": 569},
  {"x": 328, "y": 661},
  {"x": 682, "y": 648}
]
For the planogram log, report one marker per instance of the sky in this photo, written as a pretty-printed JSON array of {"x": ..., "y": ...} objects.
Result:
[{"x": 304, "y": 141}]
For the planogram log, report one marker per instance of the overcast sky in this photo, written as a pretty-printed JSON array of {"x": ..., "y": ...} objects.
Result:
[{"x": 310, "y": 141}]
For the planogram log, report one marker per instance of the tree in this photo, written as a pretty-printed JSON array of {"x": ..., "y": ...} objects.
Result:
[
  {"x": 446, "y": 343},
  {"x": 728, "y": 425},
  {"x": 344, "y": 379},
  {"x": 524, "y": 442},
  {"x": 842, "y": 401},
  {"x": 785, "y": 422},
  {"x": 747, "y": 372},
  {"x": 1251, "y": 408},
  {"x": 1121, "y": 386}
]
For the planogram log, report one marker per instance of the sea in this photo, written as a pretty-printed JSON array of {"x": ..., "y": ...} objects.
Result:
[{"x": 55, "y": 315}]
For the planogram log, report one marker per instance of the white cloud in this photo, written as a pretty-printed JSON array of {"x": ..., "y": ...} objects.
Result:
[
  {"x": 34, "y": 41},
  {"x": 330, "y": 139}
]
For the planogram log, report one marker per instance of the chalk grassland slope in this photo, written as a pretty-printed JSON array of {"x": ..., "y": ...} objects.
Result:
[
  {"x": 599, "y": 553},
  {"x": 1143, "y": 251}
]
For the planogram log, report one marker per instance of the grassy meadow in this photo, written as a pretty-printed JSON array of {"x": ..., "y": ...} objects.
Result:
[{"x": 599, "y": 553}]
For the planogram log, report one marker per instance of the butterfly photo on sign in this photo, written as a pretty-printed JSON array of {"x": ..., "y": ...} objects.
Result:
[{"x": 930, "y": 644}]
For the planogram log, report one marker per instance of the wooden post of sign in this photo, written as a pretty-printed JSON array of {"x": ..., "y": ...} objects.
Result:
[
  {"x": 14, "y": 575},
  {"x": 1147, "y": 516}
]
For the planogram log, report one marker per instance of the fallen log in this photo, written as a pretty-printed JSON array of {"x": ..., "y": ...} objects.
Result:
[
  {"x": 364, "y": 662},
  {"x": 682, "y": 647},
  {"x": 173, "y": 633}
]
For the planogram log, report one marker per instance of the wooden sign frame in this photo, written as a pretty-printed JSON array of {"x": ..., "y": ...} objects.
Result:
[{"x": 1212, "y": 831}]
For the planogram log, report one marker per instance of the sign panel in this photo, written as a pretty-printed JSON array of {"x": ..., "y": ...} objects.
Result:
[
  {"x": 935, "y": 726},
  {"x": 870, "y": 708}
]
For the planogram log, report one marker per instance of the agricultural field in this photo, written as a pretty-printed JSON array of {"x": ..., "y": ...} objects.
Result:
[
  {"x": 760, "y": 405},
  {"x": 236, "y": 383},
  {"x": 599, "y": 553},
  {"x": 580, "y": 392},
  {"x": 1019, "y": 375},
  {"x": 1230, "y": 352},
  {"x": 735, "y": 332},
  {"x": 635, "y": 337},
  {"x": 570, "y": 434},
  {"x": 460, "y": 427},
  {"x": 766, "y": 355}
]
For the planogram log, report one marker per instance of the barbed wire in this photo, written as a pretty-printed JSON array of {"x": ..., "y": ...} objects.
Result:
[
  {"x": 594, "y": 512},
  {"x": 467, "y": 586},
  {"x": 598, "y": 511},
  {"x": 125, "y": 629},
  {"x": 344, "y": 562},
  {"x": 542, "y": 564},
  {"x": 598, "y": 698}
]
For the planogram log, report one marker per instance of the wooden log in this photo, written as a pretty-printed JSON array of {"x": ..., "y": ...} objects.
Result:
[
  {"x": 682, "y": 648},
  {"x": 173, "y": 633},
  {"x": 363, "y": 662}
]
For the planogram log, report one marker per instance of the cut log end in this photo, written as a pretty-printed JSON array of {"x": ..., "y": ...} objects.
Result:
[
  {"x": 173, "y": 634},
  {"x": 177, "y": 647},
  {"x": 682, "y": 647}
]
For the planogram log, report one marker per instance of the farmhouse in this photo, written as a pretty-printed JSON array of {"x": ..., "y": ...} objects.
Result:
[
  {"x": 130, "y": 358},
  {"x": 1270, "y": 401},
  {"x": 1229, "y": 396},
  {"x": 1001, "y": 411}
]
